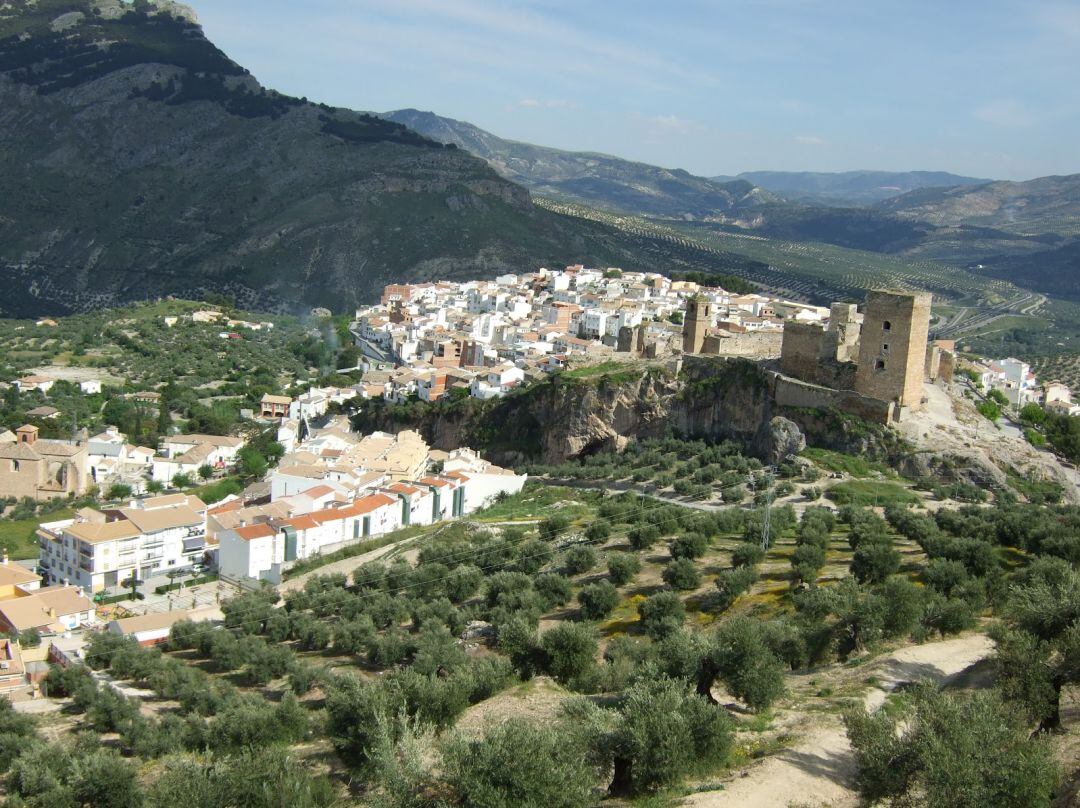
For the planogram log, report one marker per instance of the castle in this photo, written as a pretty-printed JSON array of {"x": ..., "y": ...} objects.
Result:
[
  {"x": 873, "y": 365},
  {"x": 877, "y": 366}
]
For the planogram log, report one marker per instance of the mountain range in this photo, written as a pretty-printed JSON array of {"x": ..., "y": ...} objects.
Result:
[
  {"x": 1011, "y": 230},
  {"x": 591, "y": 178},
  {"x": 138, "y": 160},
  {"x": 849, "y": 188}
]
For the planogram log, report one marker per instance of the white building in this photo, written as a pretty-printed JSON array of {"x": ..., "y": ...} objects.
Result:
[
  {"x": 262, "y": 550},
  {"x": 150, "y": 538},
  {"x": 90, "y": 386},
  {"x": 186, "y": 454}
]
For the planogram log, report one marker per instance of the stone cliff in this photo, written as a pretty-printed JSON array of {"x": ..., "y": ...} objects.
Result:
[{"x": 582, "y": 412}]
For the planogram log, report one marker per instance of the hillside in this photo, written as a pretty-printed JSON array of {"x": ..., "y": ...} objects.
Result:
[
  {"x": 1042, "y": 205},
  {"x": 139, "y": 160},
  {"x": 845, "y": 188},
  {"x": 590, "y": 178}
]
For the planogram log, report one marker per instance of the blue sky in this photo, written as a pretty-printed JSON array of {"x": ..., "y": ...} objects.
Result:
[{"x": 987, "y": 88}]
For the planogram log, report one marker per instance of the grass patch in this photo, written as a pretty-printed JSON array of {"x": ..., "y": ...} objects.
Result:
[
  {"x": 840, "y": 463},
  {"x": 18, "y": 535},
  {"x": 615, "y": 371},
  {"x": 867, "y": 493}
]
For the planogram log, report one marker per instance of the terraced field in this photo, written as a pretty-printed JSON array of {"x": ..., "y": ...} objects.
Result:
[{"x": 817, "y": 271}]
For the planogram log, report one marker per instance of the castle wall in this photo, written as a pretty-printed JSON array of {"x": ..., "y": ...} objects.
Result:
[
  {"x": 802, "y": 348},
  {"x": 809, "y": 353},
  {"x": 788, "y": 392},
  {"x": 843, "y": 322},
  {"x": 752, "y": 344}
]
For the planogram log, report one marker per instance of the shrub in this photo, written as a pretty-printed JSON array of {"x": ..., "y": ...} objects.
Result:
[
  {"x": 747, "y": 554},
  {"x": 732, "y": 583},
  {"x": 955, "y": 750},
  {"x": 553, "y": 526},
  {"x": 598, "y": 600},
  {"x": 661, "y": 614},
  {"x": 665, "y": 733},
  {"x": 579, "y": 559},
  {"x": 873, "y": 563},
  {"x": 622, "y": 567},
  {"x": 554, "y": 589},
  {"x": 493, "y": 771},
  {"x": 642, "y": 537},
  {"x": 681, "y": 573},
  {"x": 598, "y": 531},
  {"x": 569, "y": 650},
  {"x": 690, "y": 545}
]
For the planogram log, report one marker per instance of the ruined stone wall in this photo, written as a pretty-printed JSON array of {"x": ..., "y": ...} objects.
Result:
[
  {"x": 751, "y": 345},
  {"x": 801, "y": 349},
  {"x": 843, "y": 321},
  {"x": 788, "y": 392},
  {"x": 892, "y": 347},
  {"x": 809, "y": 353}
]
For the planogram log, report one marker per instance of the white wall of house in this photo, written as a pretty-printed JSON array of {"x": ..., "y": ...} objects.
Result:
[{"x": 482, "y": 489}]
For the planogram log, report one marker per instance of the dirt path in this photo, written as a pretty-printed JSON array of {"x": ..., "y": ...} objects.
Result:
[
  {"x": 396, "y": 549},
  {"x": 818, "y": 769},
  {"x": 346, "y": 565}
]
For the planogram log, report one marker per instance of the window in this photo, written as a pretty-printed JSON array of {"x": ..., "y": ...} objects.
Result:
[
  {"x": 879, "y": 364},
  {"x": 885, "y": 347},
  {"x": 15, "y": 465},
  {"x": 886, "y": 326}
]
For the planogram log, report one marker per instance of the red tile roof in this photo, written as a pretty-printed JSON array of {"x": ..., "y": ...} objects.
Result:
[
  {"x": 303, "y": 522},
  {"x": 256, "y": 531}
]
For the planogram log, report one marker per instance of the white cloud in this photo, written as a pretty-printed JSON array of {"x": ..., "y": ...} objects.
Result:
[
  {"x": 1004, "y": 112},
  {"x": 671, "y": 123},
  {"x": 810, "y": 140},
  {"x": 547, "y": 103}
]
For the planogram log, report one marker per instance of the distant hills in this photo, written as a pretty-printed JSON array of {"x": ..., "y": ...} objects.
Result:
[
  {"x": 590, "y": 178},
  {"x": 1046, "y": 204},
  {"x": 849, "y": 188},
  {"x": 1009, "y": 230}
]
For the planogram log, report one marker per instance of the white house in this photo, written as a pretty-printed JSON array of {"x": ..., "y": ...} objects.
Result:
[
  {"x": 90, "y": 386},
  {"x": 49, "y": 610},
  {"x": 312, "y": 404},
  {"x": 186, "y": 454},
  {"x": 483, "y": 481},
  {"x": 27, "y": 383},
  {"x": 262, "y": 550},
  {"x": 497, "y": 381}
]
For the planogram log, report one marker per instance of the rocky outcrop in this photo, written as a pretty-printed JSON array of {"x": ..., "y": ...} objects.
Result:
[
  {"x": 576, "y": 414},
  {"x": 778, "y": 440}
]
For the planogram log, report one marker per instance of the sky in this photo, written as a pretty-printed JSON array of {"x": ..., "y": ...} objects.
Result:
[{"x": 985, "y": 88}]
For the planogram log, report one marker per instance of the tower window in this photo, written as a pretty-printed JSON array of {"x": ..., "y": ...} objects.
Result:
[
  {"x": 885, "y": 347},
  {"x": 886, "y": 326},
  {"x": 879, "y": 364}
]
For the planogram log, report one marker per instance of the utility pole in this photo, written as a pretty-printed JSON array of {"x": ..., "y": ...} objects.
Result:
[{"x": 766, "y": 521}]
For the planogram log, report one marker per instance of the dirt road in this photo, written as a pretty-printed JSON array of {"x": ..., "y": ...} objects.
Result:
[{"x": 818, "y": 769}]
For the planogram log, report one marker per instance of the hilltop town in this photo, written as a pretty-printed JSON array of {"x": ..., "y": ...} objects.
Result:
[{"x": 761, "y": 431}]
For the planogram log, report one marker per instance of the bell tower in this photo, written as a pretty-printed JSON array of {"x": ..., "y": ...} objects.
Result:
[{"x": 696, "y": 322}]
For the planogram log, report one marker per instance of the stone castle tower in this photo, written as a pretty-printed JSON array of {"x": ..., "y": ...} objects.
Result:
[
  {"x": 892, "y": 347},
  {"x": 696, "y": 322}
]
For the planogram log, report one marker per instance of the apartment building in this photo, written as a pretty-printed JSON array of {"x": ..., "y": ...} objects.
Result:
[{"x": 97, "y": 550}]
